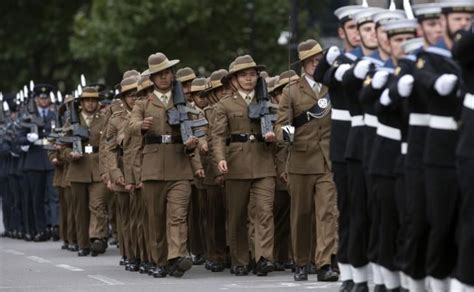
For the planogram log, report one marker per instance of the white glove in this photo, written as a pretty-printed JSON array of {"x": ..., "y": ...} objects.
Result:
[
  {"x": 340, "y": 71},
  {"x": 385, "y": 98},
  {"x": 32, "y": 137},
  {"x": 445, "y": 83},
  {"x": 379, "y": 80},
  {"x": 332, "y": 54},
  {"x": 361, "y": 69},
  {"x": 405, "y": 85},
  {"x": 25, "y": 148}
]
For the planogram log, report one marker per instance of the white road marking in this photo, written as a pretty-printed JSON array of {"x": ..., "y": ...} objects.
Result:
[
  {"x": 15, "y": 252},
  {"x": 107, "y": 280},
  {"x": 38, "y": 259},
  {"x": 70, "y": 268}
]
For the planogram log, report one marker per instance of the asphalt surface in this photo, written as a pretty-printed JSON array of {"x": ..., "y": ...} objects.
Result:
[{"x": 29, "y": 266}]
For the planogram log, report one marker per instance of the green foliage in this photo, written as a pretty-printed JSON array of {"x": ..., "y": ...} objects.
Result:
[{"x": 103, "y": 38}]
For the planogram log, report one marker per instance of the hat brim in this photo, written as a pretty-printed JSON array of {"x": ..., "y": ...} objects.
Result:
[
  {"x": 227, "y": 77},
  {"x": 169, "y": 64},
  {"x": 122, "y": 94}
]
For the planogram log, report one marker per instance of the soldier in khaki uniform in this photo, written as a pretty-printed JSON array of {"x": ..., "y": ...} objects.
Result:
[
  {"x": 186, "y": 76},
  {"x": 166, "y": 170},
  {"x": 113, "y": 150},
  {"x": 197, "y": 209},
  {"x": 281, "y": 212},
  {"x": 249, "y": 168},
  {"x": 305, "y": 104},
  {"x": 132, "y": 152},
  {"x": 215, "y": 203},
  {"x": 88, "y": 191}
]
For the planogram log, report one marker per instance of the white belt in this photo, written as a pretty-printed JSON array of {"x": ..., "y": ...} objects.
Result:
[
  {"x": 443, "y": 123},
  {"x": 389, "y": 132},
  {"x": 340, "y": 115},
  {"x": 469, "y": 101},
  {"x": 357, "y": 121},
  {"x": 371, "y": 120},
  {"x": 419, "y": 120},
  {"x": 404, "y": 148},
  {"x": 41, "y": 142}
]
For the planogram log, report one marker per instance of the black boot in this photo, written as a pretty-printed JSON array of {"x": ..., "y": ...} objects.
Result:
[
  {"x": 360, "y": 287},
  {"x": 263, "y": 267},
  {"x": 178, "y": 266},
  {"x": 301, "y": 274},
  {"x": 346, "y": 286},
  {"x": 326, "y": 274}
]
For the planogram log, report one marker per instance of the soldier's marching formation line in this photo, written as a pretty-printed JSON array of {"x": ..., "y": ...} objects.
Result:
[{"x": 362, "y": 164}]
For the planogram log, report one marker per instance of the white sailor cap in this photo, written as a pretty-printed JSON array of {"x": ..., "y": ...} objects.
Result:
[
  {"x": 452, "y": 6},
  {"x": 400, "y": 26},
  {"x": 411, "y": 45},
  {"x": 365, "y": 15},
  {"x": 426, "y": 11},
  {"x": 345, "y": 13},
  {"x": 382, "y": 17}
]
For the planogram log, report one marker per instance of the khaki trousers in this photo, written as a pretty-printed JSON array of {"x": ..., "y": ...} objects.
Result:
[
  {"x": 71, "y": 218},
  {"x": 167, "y": 205},
  {"x": 135, "y": 203},
  {"x": 313, "y": 193},
  {"x": 112, "y": 210},
  {"x": 90, "y": 205},
  {"x": 122, "y": 201},
  {"x": 216, "y": 221},
  {"x": 239, "y": 195},
  {"x": 144, "y": 233},
  {"x": 62, "y": 214}
]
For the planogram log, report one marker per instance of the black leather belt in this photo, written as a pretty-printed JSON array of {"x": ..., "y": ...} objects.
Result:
[
  {"x": 243, "y": 138},
  {"x": 163, "y": 139}
]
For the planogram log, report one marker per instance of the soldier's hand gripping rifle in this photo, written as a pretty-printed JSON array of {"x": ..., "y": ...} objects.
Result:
[
  {"x": 178, "y": 115},
  {"x": 76, "y": 133},
  {"x": 263, "y": 108},
  {"x": 31, "y": 119}
]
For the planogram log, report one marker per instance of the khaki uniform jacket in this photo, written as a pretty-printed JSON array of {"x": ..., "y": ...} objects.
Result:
[
  {"x": 132, "y": 155},
  {"x": 86, "y": 169},
  {"x": 113, "y": 148},
  {"x": 310, "y": 150},
  {"x": 163, "y": 162},
  {"x": 58, "y": 168},
  {"x": 245, "y": 160}
]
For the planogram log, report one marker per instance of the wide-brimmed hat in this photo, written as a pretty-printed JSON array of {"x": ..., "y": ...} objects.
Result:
[
  {"x": 159, "y": 62},
  {"x": 215, "y": 80},
  {"x": 90, "y": 92},
  {"x": 271, "y": 81},
  {"x": 243, "y": 63},
  {"x": 185, "y": 74},
  {"x": 130, "y": 73},
  {"x": 308, "y": 49},
  {"x": 128, "y": 85},
  {"x": 143, "y": 83},
  {"x": 198, "y": 85},
  {"x": 286, "y": 77}
]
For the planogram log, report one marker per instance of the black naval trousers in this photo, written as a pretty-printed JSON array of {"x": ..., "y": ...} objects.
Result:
[
  {"x": 442, "y": 200},
  {"x": 14, "y": 188},
  {"x": 465, "y": 259},
  {"x": 37, "y": 180},
  {"x": 6, "y": 203},
  {"x": 27, "y": 205},
  {"x": 343, "y": 203},
  {"x": 359, "y": 226}
]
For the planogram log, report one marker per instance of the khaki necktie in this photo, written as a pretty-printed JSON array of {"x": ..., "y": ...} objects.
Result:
[
  {"x": 248, "y": 99},
  {"x": 164, "y": 99},
  {"x": 88, "y": 121}
]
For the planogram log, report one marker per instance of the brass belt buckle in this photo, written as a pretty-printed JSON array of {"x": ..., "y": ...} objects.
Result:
[
  {"x": 166, "y": 139},
  {"x": 252, "y": 138}
]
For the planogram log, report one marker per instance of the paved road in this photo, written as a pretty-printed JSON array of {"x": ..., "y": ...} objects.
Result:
[{"x": 28, "y": 266}]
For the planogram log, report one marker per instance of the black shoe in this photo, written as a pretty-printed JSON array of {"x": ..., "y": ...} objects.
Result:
[
  {"x": 199, "y": 260},
  {"x": 360, "y": 287},
  {"x": 240, "y": 271},
  {"x": 178, "y": 266},
  {"x": 290, "y": 265},
  {"x": 278, "y": 266},
  {"x": 346, "y": 286},
  {"x": 134, "y": 265},
  {"x": 65, "y": 246},
  {"x": 143, "y": 269},
  {"x": 55, "y": 233},
  {"x": 380, "y": 288},
  {"x": 151, "y": 269},
  {"x": 312, "y": 269},
  {"x": 398, "y": 289},
  {"x": 20, "y": 235},
  {"x": 28, "y": 237},
  {"x": 263, "y": 267},
  {"x": 208, "y": 265},
  {"x": 98, "y": 246},
  {"x": 301, "y": 274},
  {"x": 48, "y": 233},
  {"x": 326, "y": 274},
  {"x": 113, "y": 241},
  {"x": 161, "y": 272},
  {"x": 73, "y": 247},
  {"x": 42, "y": 236},
  {"x": 122, "y": 261},
  {"x": 232, "y": 270},
  {"x": 83, "y": 252},
  {"x": 217, "y": 267}
]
